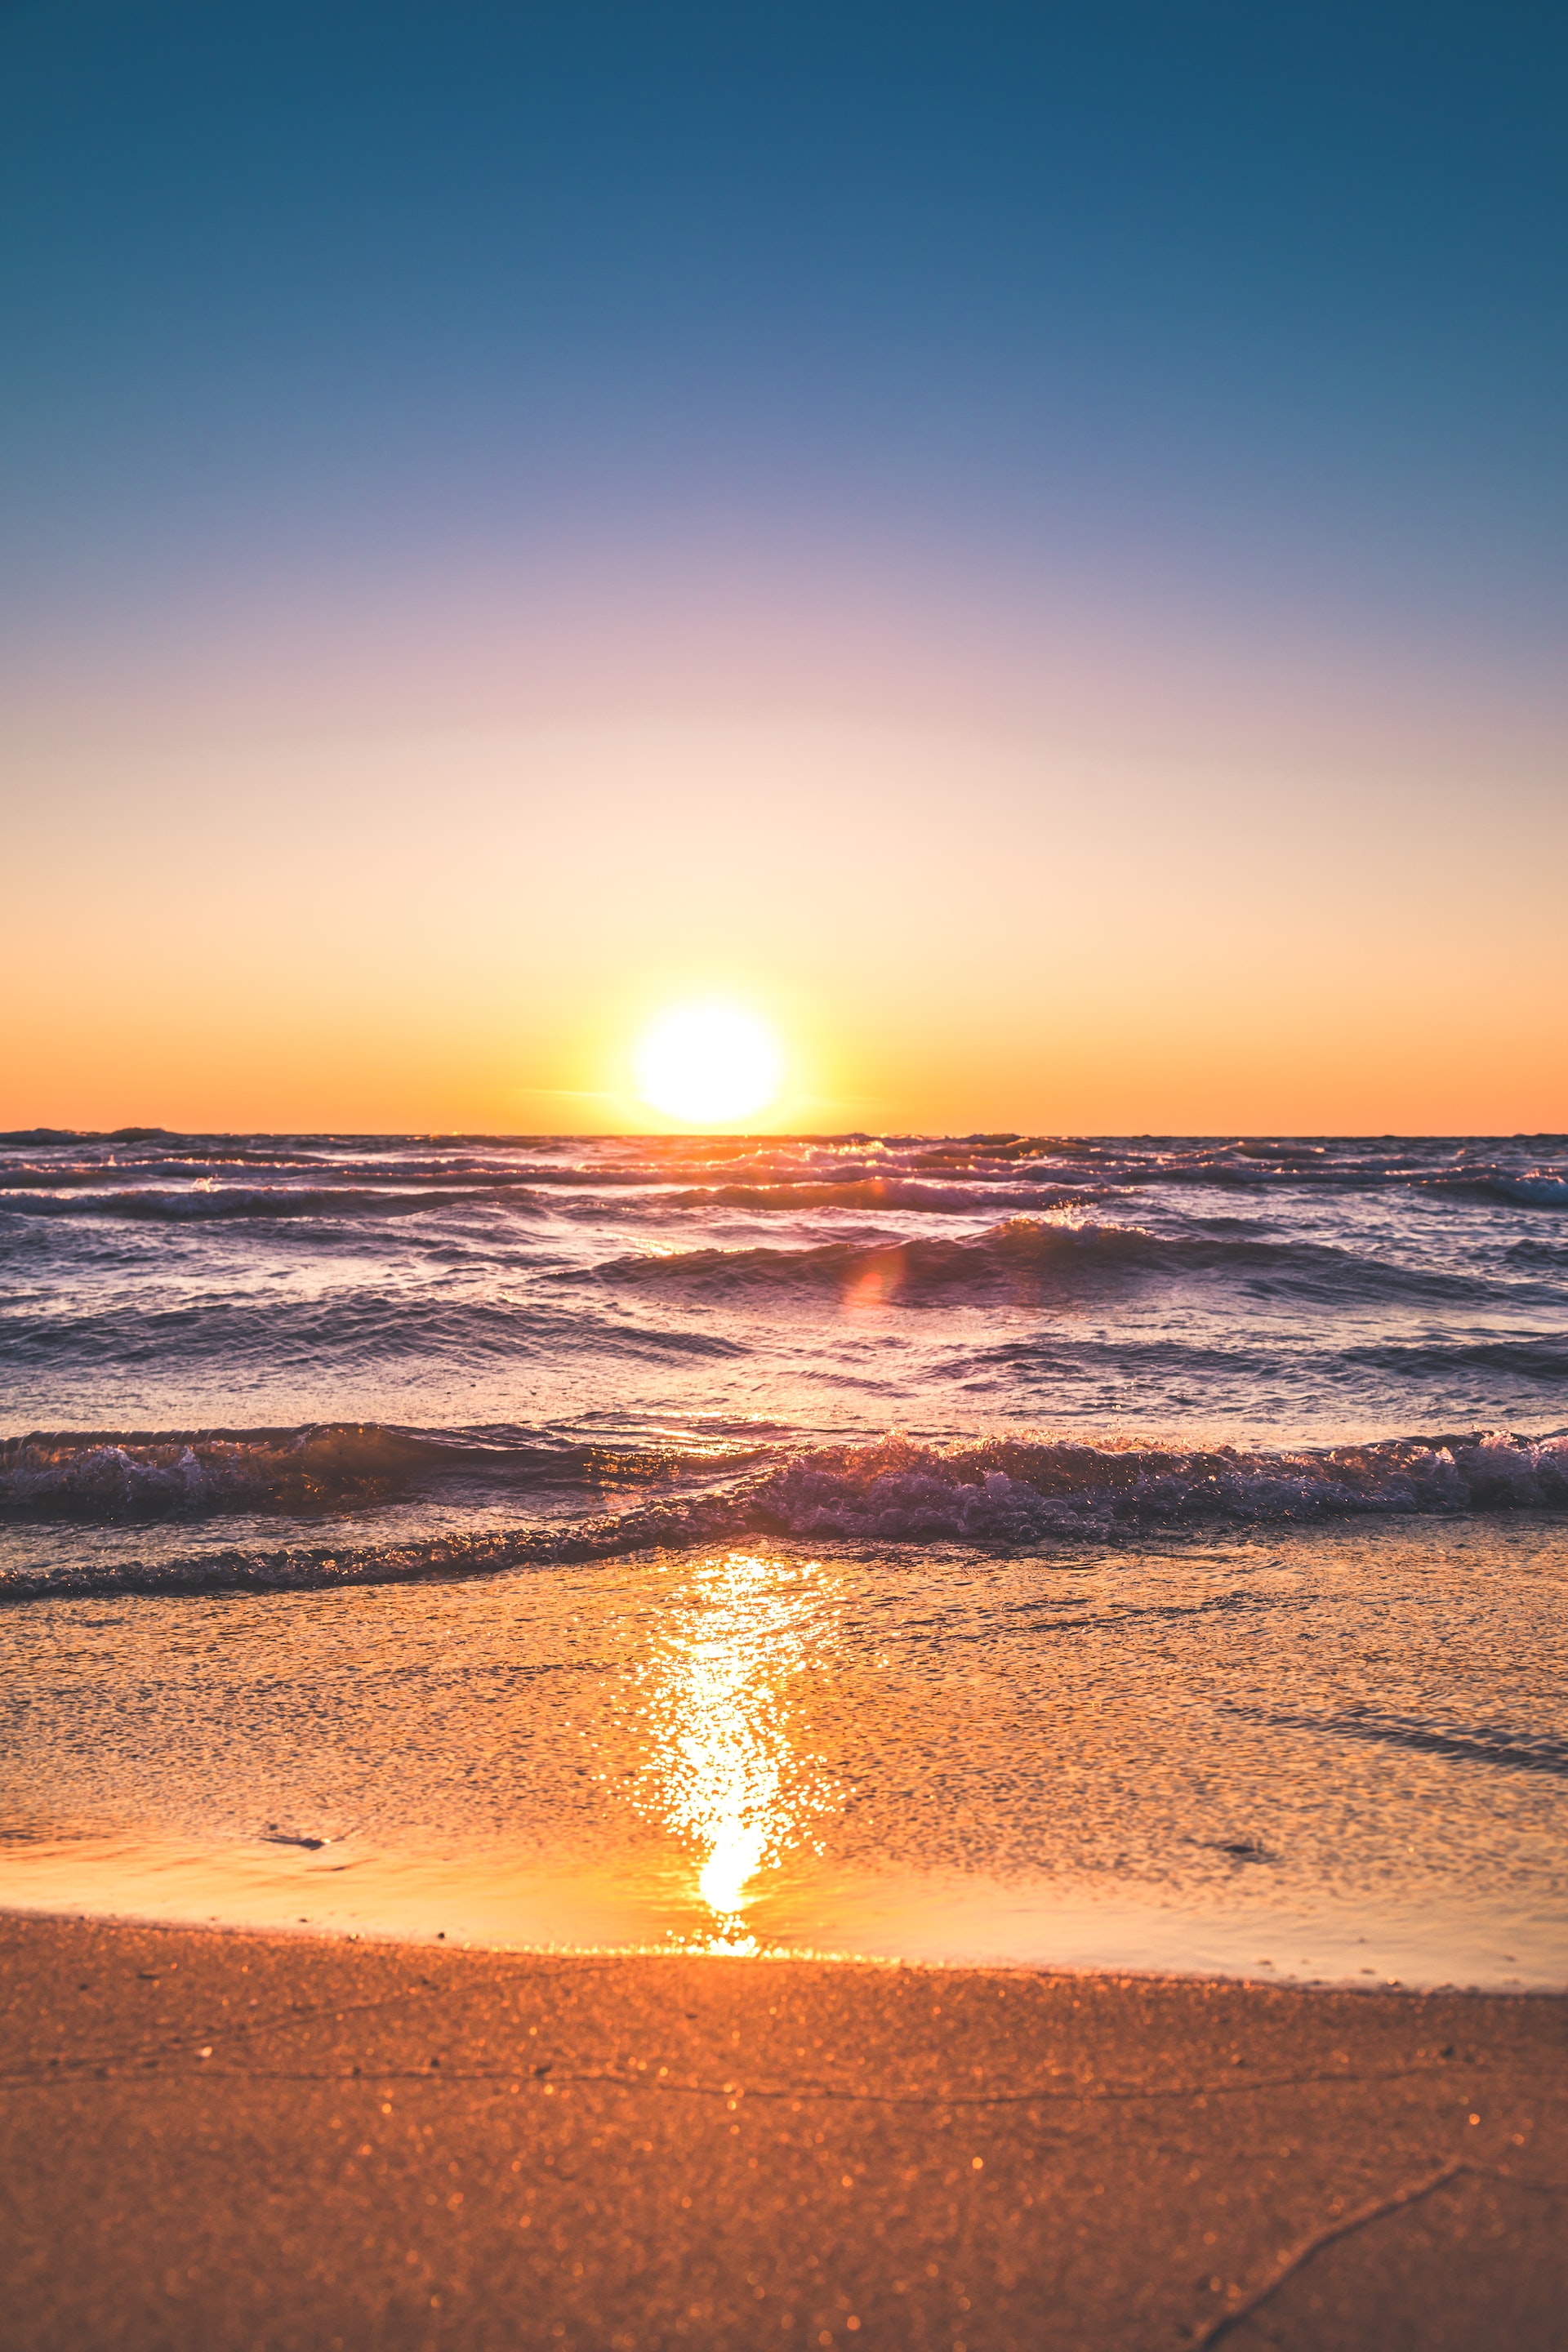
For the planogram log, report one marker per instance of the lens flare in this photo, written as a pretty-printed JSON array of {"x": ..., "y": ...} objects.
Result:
[{"x": 709, "y": 1063}]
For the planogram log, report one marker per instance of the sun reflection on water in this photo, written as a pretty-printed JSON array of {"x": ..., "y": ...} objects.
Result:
[{"x": 727, "y": 1773}]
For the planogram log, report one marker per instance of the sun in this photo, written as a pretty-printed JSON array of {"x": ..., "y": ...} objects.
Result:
[{"x": 709, "y": 1063}]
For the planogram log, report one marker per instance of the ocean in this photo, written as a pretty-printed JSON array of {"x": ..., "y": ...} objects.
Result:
[{"x": 1143, "y": 1553}]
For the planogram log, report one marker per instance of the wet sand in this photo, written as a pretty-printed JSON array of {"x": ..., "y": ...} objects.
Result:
[{"x": 263, "y": 2141}]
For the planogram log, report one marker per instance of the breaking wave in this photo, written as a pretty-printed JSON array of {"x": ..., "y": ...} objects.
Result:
[
  {"x": 1006, "y": 1489},
  {"x": 326, "y": 1466},
  {"x": 1000, "y": 1493}
]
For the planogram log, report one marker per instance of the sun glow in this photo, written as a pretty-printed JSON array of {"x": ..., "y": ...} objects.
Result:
[{"x": 710, "y": 1064}]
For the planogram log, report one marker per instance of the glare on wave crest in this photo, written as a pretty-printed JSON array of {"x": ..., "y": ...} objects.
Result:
[{"x": 709, "y": 1063}]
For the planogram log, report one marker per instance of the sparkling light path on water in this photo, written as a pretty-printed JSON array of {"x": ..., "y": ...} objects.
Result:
[{"x": 724, "y": 1775}]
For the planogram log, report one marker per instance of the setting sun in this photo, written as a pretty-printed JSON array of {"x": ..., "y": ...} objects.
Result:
[{"x": 709, "y": 1063}]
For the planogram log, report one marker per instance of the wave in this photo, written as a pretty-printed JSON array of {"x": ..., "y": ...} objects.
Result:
[
  {"x": 874, "y": 1192},
  {"x": 1003, "y": 1489},
  {"x": 352, "y": 1335},
  {"x": 200, "y": 1207},
  {"x": 1540, "y": 1188},
  {"x": 329, "y": 1465},
  {"x": 905, "y": 1267},
  {"x": 103, "y": 1191},
  {"x": 1000, "y": 1493},
  {"x": 1543, "y": 1190},
  {"x": 39, "y": 1137},
  {"x": 1425, "y": 1164},
  {"x": 1535, "y": 1356},
  {"x": 765, "y": 1172},
  {"x": 202, "y": 1171},
  {"x": 1020, "y": 1254}
]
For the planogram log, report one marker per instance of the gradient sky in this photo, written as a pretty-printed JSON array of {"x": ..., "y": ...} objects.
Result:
[{"x": 1025, "y": 543}]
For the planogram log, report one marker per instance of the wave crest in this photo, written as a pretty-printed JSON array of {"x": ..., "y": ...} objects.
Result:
[
  {"x": 1006, "y": 1490},
  {"x": 1000, "y": 1493},
  {"x": 196, "y": 1207},
  {"x": 113, "y": 1472},
  {"x": 1023, "y": 1257},
  {"x": 325, "y": 1467}
]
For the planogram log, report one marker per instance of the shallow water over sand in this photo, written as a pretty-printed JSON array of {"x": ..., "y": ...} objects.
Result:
[{"x": 1308, "y": 1753}]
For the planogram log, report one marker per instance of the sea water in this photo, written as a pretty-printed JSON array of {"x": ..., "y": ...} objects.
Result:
[{"x": 1070, "y": 1552}]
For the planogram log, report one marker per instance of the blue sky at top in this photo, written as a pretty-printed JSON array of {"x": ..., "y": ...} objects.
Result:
[{"x": 1212, "y": 300}]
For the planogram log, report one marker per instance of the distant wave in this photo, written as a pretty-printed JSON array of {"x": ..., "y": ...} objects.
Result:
[
  {"x": 873, "y": 1192},
  {"x": 281, "y": 1200},
  {"x": 1001, "y": 1493},
  {"x": 1424, "y": 1164},
  {"x": 923, "y": 1263},
  {"x": 1532, "y": 1357},
  {"x": 1542, "y": 1190},
  {"x": 348, "y": 1333},
  {"x": 204, "y": 1173},
  {"x": 1020, "y": 1254},
  {"x": 781, "y": 1172}
]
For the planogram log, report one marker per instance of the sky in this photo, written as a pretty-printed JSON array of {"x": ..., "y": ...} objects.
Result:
[{"x": 1022, "y": 545}]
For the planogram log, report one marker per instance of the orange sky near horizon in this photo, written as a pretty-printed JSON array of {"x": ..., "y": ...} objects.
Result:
[{"x": 1092, "y": 914}]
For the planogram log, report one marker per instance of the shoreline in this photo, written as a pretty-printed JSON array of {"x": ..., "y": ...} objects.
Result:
[
  {"x": 1123, "y": 1970},
  {"x": 624, "y": 1904},
  {"x": 232, "y": 2137}
]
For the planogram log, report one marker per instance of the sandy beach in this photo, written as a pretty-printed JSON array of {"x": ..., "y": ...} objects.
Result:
[{"x": 226, "y": 2139}]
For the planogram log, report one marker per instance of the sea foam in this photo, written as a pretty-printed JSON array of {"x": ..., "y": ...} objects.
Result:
[{"x": 1001, "y": 1493}]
